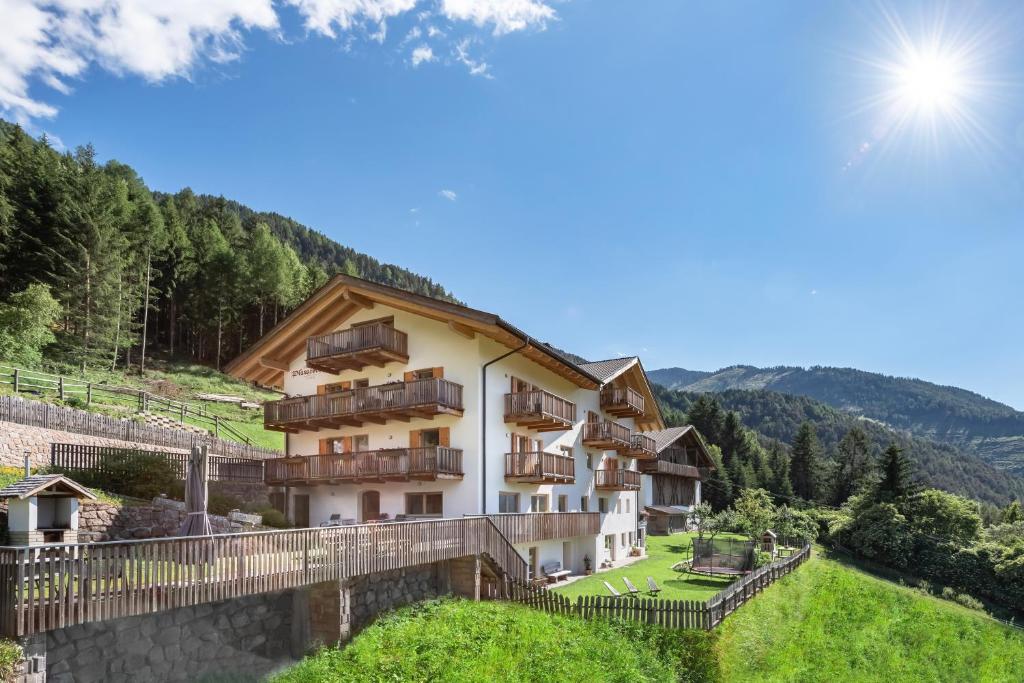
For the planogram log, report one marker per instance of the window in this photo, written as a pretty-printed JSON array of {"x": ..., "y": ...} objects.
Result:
[
  {"x": 360, "y": 442},
  {"x": 423, "y": 504},
  {"x": 430, "y": 437},
  {"x": 361, "y": 383},
  {"x": 618, "y": 505},
  {"x": 333, "y": 445},
  {"x": 538, "y": 503},
  {"x": 563, "y": 503},
  {"x": 590, "y": 461},
  {"x": 584, "y": 504},
  {"x": 425, "y": 373},
  {"x": 602, "y": 505},
  {"x": 519, "y": 386},
  {"x": 623, "y": 537},
  {"x": 508, "y": 502},
  {"x": 335, "y": 387},
  {"x": 627, "y": 505},
  {"x": 632, "y": 539},
  {"x": 609, "y": 541}
]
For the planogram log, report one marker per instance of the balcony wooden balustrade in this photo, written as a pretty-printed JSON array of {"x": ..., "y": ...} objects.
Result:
[
  {"x": 402, "y": 401},
  {"x": 540, "y": 410},
  {"x": 353, "y": 349},
  {"x": 540, "y": 468},
  {"x": 642, "y": 447},
  {"x": 607, "y": 435},
  {"x": 528, "y": 527},
  {"x": 622, "y": 402},
  {"x": 616, "y": 480},
  {"x": 664, "y": 467},
  {"x": 427, "y": 463}
]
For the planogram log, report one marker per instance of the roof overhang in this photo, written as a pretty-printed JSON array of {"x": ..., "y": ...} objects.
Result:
[
  {"x": 633, "y": 376},
  {"x": 266, "y": 361}
]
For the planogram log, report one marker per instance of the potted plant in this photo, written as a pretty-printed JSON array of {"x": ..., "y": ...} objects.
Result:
[{"x": 586, "y": 565}]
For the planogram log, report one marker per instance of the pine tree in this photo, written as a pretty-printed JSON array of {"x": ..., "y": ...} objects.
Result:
[
  {"x": 781, "y": 484},
  {"x": 706, "y": 415},
  {"x": 717, "y": 488},
  {"x": 853, "y": 465},
  {"x": 896, "y": 483},
  {"x": 1012, "y": 513},
  {"x": 805, "y": 464}
]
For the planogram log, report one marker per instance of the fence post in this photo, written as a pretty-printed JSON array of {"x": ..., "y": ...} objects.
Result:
[
  {"x": 88, "y": 393},
  {"x": 17, "y": 379},
  {"x": 60, "y": 387},
  {"x": 216, "y": 426}
]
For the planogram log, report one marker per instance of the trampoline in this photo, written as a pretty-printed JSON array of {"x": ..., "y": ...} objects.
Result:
[{"x": 722, "y": 556}]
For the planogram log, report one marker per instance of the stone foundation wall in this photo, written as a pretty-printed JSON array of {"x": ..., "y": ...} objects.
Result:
[{"x": 370, "y": 595}]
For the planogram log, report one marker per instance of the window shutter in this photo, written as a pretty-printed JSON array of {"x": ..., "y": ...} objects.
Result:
[
  {"x": 444, "y": 436},
  {"x": 515, "y": 443},
  {"x": 321, "y": 389},
  {"x": 346, "y": 444},
  {"x": 409, "y": 376},
  {"x": 438, "y": 373},
  {"x": 325, "y": 446},
  {"x": 414, "y": 438}
]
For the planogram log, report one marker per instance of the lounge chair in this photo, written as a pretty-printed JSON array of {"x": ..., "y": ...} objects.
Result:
[
  {"x": 630, "y": 587},
  {"x": 651, "y": 586},
  {"x": 335, "y": 520},
  {"x": 615, "y": 594}
]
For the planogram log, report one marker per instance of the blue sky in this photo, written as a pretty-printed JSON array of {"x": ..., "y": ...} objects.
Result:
[{"x": 701, "y": 184}]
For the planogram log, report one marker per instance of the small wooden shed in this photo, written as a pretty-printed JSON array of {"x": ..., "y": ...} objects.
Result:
[
  {"x": 43, "y": 508},
  {"x": 768, "y": 539}
]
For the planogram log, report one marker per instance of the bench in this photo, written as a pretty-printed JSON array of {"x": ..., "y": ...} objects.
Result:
[{"x": 554, "y": 572}]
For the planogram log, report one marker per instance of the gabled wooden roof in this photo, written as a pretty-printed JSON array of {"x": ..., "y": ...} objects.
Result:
[
  {"x": 45, "y": 484},
  {"x": 334, "y": 303},
  {"x": 630, "y": 372},
  {"x": 663, "y": 438}
]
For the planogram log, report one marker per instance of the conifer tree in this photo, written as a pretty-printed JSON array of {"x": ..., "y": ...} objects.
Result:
[
  {"x": 707, "y": 416},
  {"x": 781, "y": 484},
  {"x": 805, "y": 464},
  {"x": 896, "y": 482},
  {"x": 853, "y": 465}
]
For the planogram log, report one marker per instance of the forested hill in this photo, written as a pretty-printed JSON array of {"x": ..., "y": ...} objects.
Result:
[
  {"x": 133, "y": 270},
  {"x": 778, "y": 416},
  {"x": 945, "y": 414}
]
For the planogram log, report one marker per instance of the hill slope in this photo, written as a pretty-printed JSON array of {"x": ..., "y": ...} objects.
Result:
[
  {"x": 829, "y": 622},
  {"x": 947, "y": 414},
  {"x": 779, "y": 416}
]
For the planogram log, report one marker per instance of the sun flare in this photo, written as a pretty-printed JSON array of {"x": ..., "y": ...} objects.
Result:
[{"x": 929, "y": 82}]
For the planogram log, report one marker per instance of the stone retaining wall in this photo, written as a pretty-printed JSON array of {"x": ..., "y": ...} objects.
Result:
[{"x": 16, "y": 438}]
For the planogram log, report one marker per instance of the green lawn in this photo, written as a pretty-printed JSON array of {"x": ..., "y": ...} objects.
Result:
[
  {"x": 458, "y": 640},
  {"x": 831, "y": 622},
  {"x": 662, "y": 553}
]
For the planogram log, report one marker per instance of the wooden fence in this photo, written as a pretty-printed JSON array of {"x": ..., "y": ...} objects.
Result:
[
  {"x": 54, "y": 586},
  {"x": 103, "y": 460},
  {"x": 60, "y": 418},
  {"x": 65, "y": 388},
  {"x": 674, "y": 614}
]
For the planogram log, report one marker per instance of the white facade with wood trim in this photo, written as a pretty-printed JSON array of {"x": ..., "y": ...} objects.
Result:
[{"x": 402, "y": 407}]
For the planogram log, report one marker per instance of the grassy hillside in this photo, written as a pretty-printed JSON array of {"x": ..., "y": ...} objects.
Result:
[
  {"x": 977, "y": 424},
  {"x": 830, "y": 622},
  {"x": 778, "y": 416},
  {"x": 457, "y": 640}
]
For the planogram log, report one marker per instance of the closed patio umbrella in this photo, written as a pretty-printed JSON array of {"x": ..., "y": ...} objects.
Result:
[{"x": 197, "y": 521}]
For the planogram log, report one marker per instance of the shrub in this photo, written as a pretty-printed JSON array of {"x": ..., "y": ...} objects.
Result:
[
  {"x": 137, "y": 474},
  {"x": 10, "y": 655},
  {"x": 222, "y": 504},
  {"x": 274, "y": 517},
  {"x": 969, "y": 601}
]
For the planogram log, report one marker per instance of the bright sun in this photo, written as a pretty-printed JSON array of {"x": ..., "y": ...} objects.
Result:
[{"x": 929, "y": 82}]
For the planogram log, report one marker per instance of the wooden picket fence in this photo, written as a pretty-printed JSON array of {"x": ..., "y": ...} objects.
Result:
[
  {"x": 60, "y": 418},
  {"x": 98, "y": 460},
  {"x": 674, "y": 614}
]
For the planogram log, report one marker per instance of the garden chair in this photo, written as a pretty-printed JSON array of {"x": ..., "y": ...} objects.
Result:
[
  {"x": 651, "y": 586},
  {"x": 335, "y": 520},
  {"x": 630, "y": 587},
  {"x": 611, "y": 589}
]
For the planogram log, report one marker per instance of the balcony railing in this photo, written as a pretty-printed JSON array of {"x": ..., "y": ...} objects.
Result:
[
  {"x": 616, "y": 480},
  {"x": 622, "y": 402},
  {"x": 607, "y": 435},
  {"x": 539, "y": 410},
  {"x": 425, "y": 463},
  {"x": 540, "y": 468},
  {"x": 664, "y": 467},
  {"x": 355, "y": 348},
  {"x": 423, "y": 398},
  {"x": 528, "y": 527},
  {"x": 642, "y": 447}
]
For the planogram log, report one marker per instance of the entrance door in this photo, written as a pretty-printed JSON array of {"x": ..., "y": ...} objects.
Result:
[
  {"x": 567, "y": 555},
  {"x": 371, "y": 505},
  {"x": 300, "y": 510}
]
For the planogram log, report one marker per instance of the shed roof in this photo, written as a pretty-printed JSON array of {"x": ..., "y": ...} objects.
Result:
[
  {"x": 37, "y": 484},
  {"x": 664, "y": 510}
]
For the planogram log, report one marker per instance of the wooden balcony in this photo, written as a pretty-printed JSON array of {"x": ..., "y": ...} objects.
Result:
[
  {"x": 616, "y": 480},
  {"x": 540, "y": 468},
  {"x": 401, "y": 401},
  {"x": 428, "y": 463},
  {"x": 539, "y": 410},
  {"x": 622, "y": 402},
  {"x": 607, "y": 435},
  {"x": 355, "y": 348},
  {"x": 664, "y": 467},
  {"x": 528, "y": 527},
  {"x": 641, "y": 447}
]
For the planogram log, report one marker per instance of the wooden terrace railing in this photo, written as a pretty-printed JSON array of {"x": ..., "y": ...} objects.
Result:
[
  {"x": 47, "y": 587},
  {"x": 104, "y": 460},
  {"x": 540, "y": 410},
  {"x": 392, "y": 464},
  {"x": 357, "y": 347},
  {"x": 527, "y": 527},
  {"x": 642, "y": 447},
  {"x": 663, "y": 467},
  {"x": 622, "y": 401},
  {"x": 616, "y": 479},
  {"x": 399, "y": 400},
  {"x": 537, "y": 467},
  {"x": 606, "y": 434}
]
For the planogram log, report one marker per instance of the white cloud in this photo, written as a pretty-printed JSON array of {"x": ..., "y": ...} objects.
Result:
[
  {"x": 448, "y": 194},
  {"x": 422, "y": 54},
  {"x": 53, "y": 42},
  {"x": 506, "y": 15}
]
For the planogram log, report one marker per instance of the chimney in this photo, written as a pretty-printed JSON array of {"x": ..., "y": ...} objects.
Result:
[{"x": 28, "y": 468}]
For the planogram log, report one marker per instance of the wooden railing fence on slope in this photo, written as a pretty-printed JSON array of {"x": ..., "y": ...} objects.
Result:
[
  {"x": 54, "y": 586},
  {"x": 64, "y": 388},
  {"x": 675, "y": 614},
  {"x": 60, "y": 418},
  {"x": 72, "y": 457}
]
